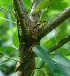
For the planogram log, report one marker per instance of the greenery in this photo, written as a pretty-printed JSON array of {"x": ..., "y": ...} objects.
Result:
[{"x": 39, "y": 46}]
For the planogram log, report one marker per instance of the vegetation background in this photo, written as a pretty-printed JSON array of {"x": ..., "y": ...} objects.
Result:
[{"x": 8, "y": 26}]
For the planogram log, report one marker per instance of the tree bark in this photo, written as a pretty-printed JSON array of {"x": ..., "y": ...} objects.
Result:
[
  {"x": 30, "y": 35},
  {"x": 26, "y": 60}
]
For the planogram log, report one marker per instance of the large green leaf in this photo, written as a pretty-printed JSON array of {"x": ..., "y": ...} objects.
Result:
[
  {"x": 44, "y": 53},
  {"x": 44, "y": 4},
  {"x": 61, "y": 32},
  {"x": 50, "y": 42},
  {"x": 58, "y": 63},
  {"x": 3, "y": 49},
  {"x": 28, "y": 4},
  {"x": 15, "y": 39}
]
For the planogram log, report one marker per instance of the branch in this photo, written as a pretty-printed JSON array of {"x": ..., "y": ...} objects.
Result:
[
  {"x": 20, "y": 16},
  {"x": 23, "y": 8},
  {"x": 25, "y": 22},
  {"x": 25, "y": 13},
  {"x": 52, "y": 24},
  {"x": 61, "y": 43}
]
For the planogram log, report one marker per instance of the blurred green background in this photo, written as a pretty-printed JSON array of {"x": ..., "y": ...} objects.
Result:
[{"x": 8, "y": 26}]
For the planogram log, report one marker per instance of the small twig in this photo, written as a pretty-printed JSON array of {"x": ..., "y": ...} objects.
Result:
[{"x": 59, "y": 44}]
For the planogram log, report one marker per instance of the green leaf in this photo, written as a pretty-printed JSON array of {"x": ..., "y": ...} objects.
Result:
[
  {"x": 38, "y": 62},
  {"x": 15, "y": 39},
  {"x": 3, "y": 49},
  {"x": 64, "y": 51},
  {"x": 44, "y": 4},
  {"x": 38, "y": 72},
  {"x": 1, "y": 16},
  {"x": 57, "y": 73},
  {"x": 50, "y": 42},
  {"x": 44, "y": 15},
  {"x": 44, "y": 53},
  {"x": 58, "y": 63},
  {"x": 44, "y": 71},
  {"x": 59, "y": 5},
  {"x": 61, "y": 32},
  {"x": 63, "y": 63},
  {"x": 28, "y": 4},
  {"x": 5, "y": 3},
  {"x": 43, "y": 40}
]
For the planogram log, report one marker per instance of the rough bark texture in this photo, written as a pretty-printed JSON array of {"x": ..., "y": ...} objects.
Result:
[
  {"x": 26, "y": 64},
  {"x": 30, "y": 35}
]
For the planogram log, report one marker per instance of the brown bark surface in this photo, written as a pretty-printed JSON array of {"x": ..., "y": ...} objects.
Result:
[{"x": 30, "y": 35}]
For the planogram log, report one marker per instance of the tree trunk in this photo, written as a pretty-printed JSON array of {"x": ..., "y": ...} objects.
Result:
[
  {"x": 26, "y": 60},
  {"x": 30, "y": 35}
]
